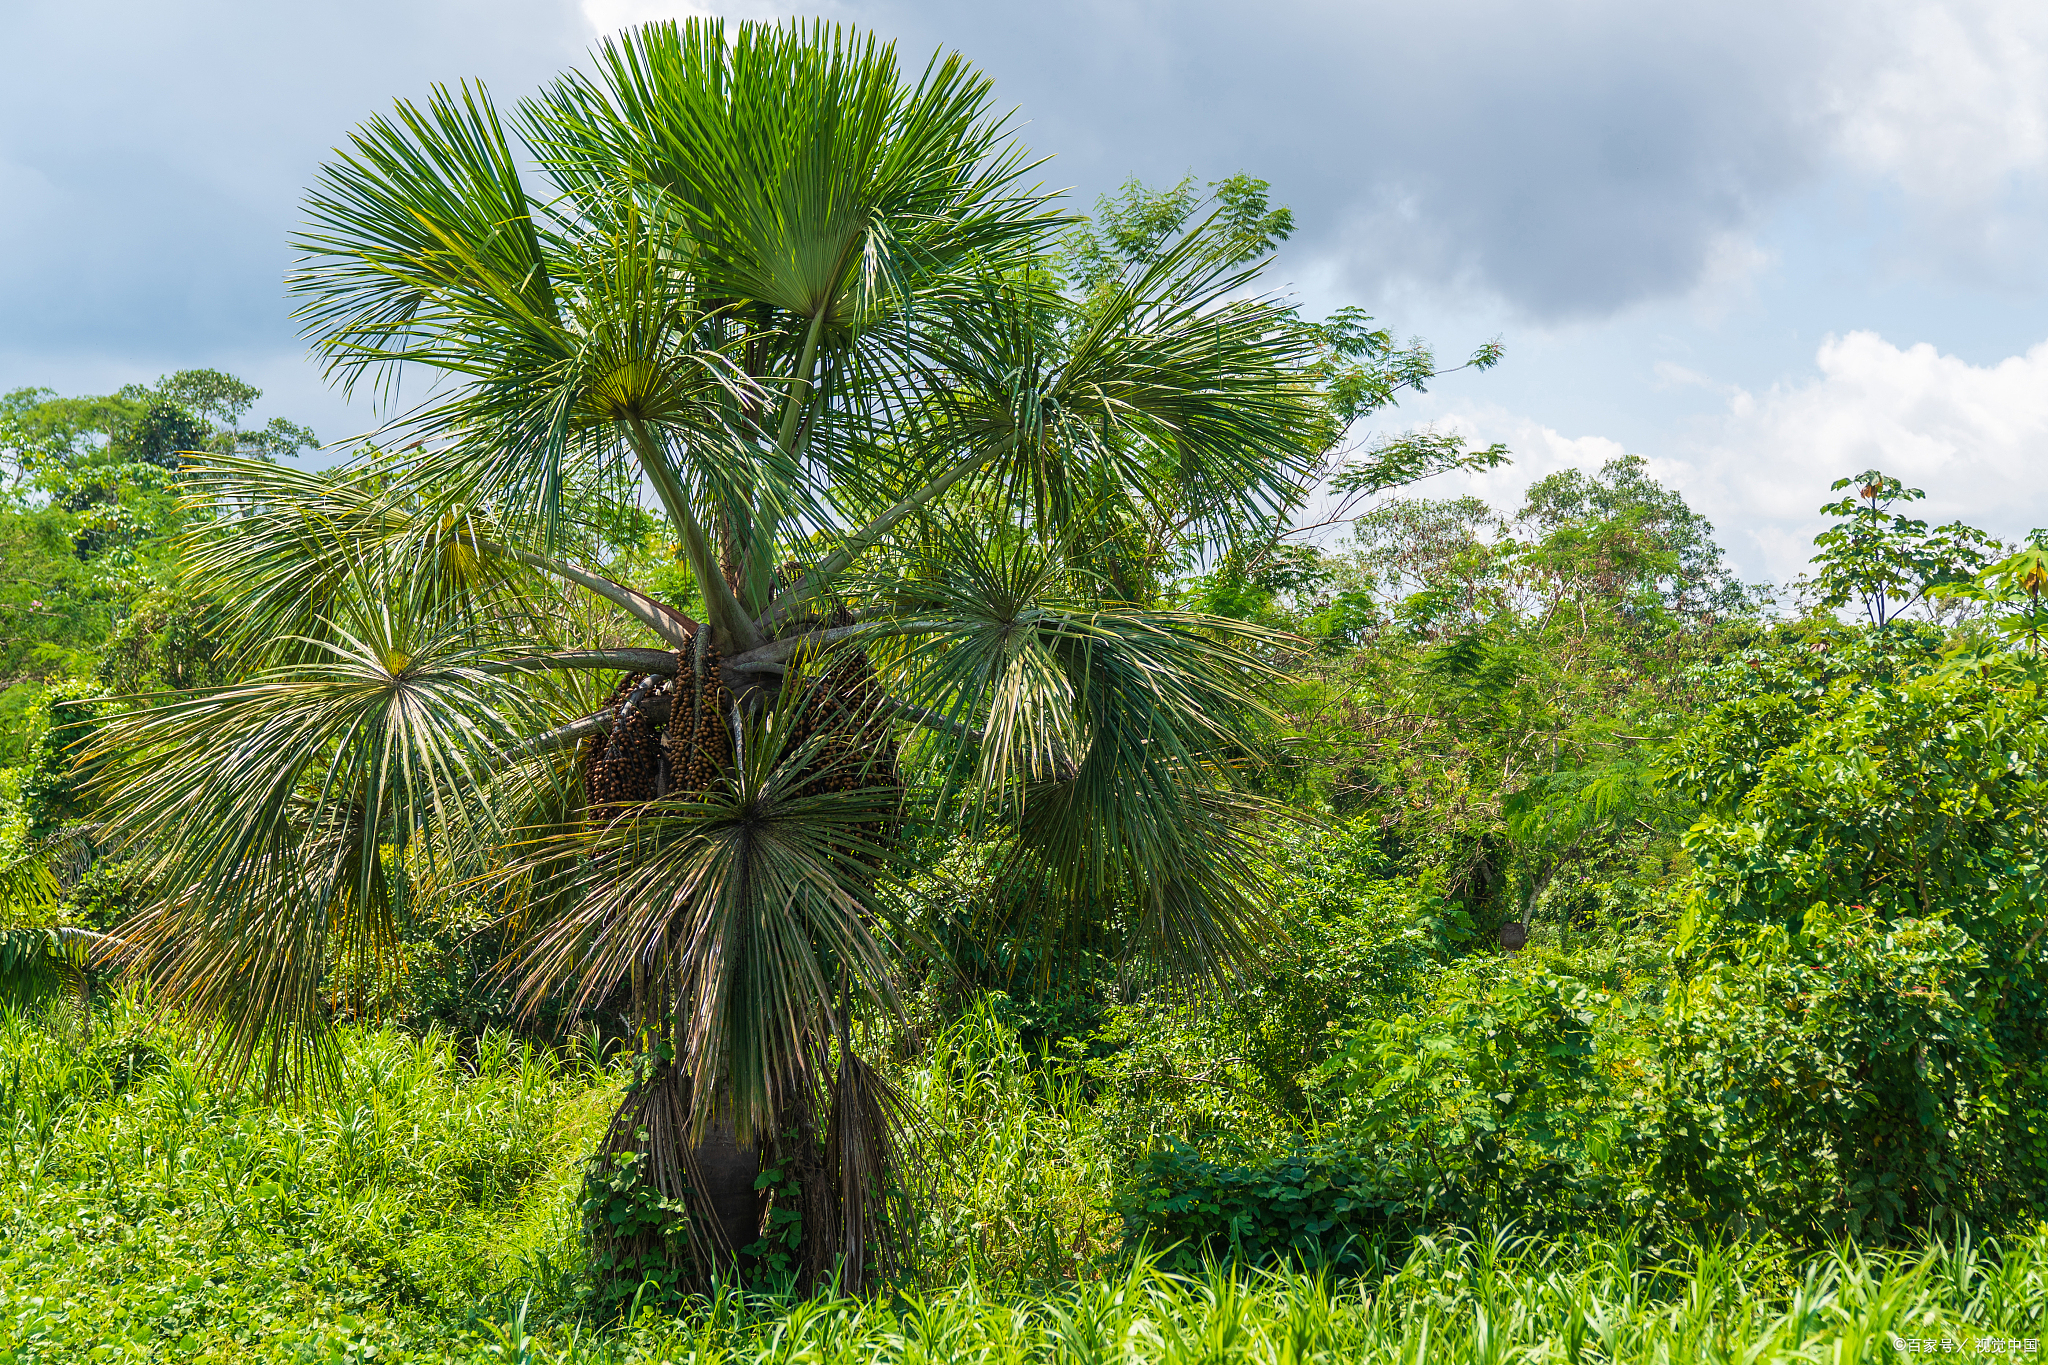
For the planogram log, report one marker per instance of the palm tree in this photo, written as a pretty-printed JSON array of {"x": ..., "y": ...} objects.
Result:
[{"x": 920, "y": 498}]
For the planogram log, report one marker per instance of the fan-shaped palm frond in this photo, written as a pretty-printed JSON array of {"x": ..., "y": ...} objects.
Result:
[
  {"x": 811, "y": 177},
  {"x": 1172, "y": 394},
  {"x": 1107, "y": 738},
  {"x": 32, "y": 884},
  {"x": 289, "y": 544},
  {"x": 424, "y": 246},
  {"x": 741, "y": 912},
  {"x": 265, "y": 812},
  {"x": 427, "y": 250},
  {"x": 29, "y": 884}
]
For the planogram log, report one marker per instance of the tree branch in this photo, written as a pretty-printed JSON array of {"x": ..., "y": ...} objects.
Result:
[
  {"x": 583, "y": 727},
  {"x": 732, "y": 619},
  {"x": 760, "y": 568},
  {"x": 664, "y": 620},
  {"x": 771, "y": 657},
  {"x": 930, "y": 720},
  {"x": 600, "y": 722},
  {"x": 561, "y": 737}
]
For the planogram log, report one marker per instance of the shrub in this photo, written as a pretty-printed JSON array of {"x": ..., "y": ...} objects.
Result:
[
  {"x": 1308, "y": 1205},
  {"x": 1841, "y": 1080},
  {"x": 1357, "y": 945},
  {"x": 1864, "y": 1005},
  {"x": 1513, "y": 1089}
]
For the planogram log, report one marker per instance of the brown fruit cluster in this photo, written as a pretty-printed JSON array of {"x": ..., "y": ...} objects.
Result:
[
  {"x": 855, "y": 749},
  {"x": 698, "y": 740},
  {"x": 626, "y": 764},
  {"x": 674, "y": 735}
]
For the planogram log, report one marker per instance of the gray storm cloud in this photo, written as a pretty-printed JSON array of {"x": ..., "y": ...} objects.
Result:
[
  {"x": 1564, "y": 159},
  {"x": 1569, "y": 158}
]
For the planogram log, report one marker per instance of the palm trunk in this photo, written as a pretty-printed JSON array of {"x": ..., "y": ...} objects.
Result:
[
  {"x": 649, "y": 1163},
  {"x": 724, "y": 1170},
  {"x": 671, "y": 732}
]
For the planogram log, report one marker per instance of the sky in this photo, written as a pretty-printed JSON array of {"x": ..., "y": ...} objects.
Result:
[{"x": 1763, "y": 245}]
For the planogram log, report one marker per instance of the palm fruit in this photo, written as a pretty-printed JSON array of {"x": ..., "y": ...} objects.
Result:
[
  {"x": 634, "y": 754},
  {"x": 601, "y": 786},
  {"x": 698, "y": 740},
  {"x": 626, "y": 764},
  {"x": 637, "y": 761}
]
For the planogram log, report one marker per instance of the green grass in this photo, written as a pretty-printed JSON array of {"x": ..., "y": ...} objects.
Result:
[
  {"x": 425, "y": 1211},
  {"x": 144, "y": 1205}
]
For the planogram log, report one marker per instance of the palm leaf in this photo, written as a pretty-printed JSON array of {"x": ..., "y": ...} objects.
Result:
[
  {"x": 1109, "y": 740},
  {"x": 265, "y": 816},
  {"x": 808, "y": 175},
  {"x": 740, "y": 912}
]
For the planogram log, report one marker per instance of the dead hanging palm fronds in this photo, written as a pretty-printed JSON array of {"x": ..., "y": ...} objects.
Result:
[
  {"x": 797, "y": 1153},
  {"x": 870, "y": 1171},
  {"x": 643, "y": 1213}
]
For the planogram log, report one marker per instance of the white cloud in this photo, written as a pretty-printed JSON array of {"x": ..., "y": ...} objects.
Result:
[
  {"x": 1975, "y": 437},
  {"x": 1730, "y": 270},
  {"x": 1952, "y": 98},
  {"x": 1949, "y": 103},
  {"x": 1537, "y": 451},
  {"x": 1671, "y": 375}
]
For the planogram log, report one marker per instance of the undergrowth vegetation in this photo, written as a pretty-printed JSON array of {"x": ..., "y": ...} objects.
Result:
[{"x": 429, "y": 1212}]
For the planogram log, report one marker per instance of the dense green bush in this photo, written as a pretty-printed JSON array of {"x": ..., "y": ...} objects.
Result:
[
  {"x": 1841, "y": 1081},
  {"x": 1513, "y": 1088},
  {"x": 1844, "y": 1034},
  {"x": 978, "y": 934},
  {"x": 1858, "y": 1039},
  {"x": 1356, "y": 942},
  {"x": 1521, "y": 1092},
  {"x": 1320, "y": 1205},
  {"x": 42, "y": 781}
]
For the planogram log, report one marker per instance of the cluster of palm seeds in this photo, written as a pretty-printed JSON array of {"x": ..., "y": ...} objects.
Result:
[
  {"x": 626, "y": 764},
  {"x": 698, "y": 741},
  {"x": 667, "y": 734},
  {"x": 855, "y": 749},
  {"x": 675, "y": 734}
]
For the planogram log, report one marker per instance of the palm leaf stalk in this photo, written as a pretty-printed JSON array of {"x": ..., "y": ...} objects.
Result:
[{"x": 798, "y": 295}]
